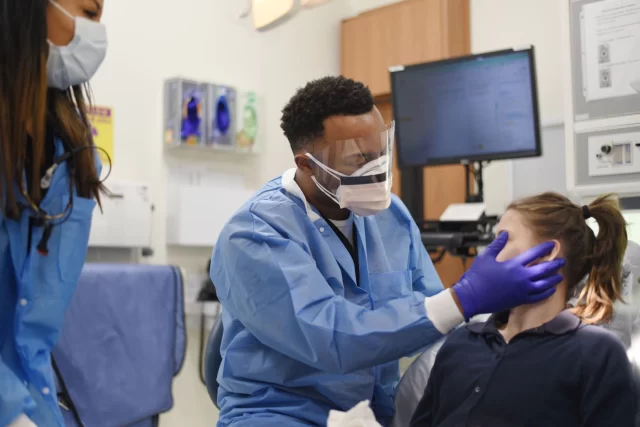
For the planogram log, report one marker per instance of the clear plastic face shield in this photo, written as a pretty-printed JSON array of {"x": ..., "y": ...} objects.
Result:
[{"x": 356, "y": 173}]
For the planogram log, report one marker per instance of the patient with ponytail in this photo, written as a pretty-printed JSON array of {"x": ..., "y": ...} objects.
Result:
[{"x": 546, "y": 364}]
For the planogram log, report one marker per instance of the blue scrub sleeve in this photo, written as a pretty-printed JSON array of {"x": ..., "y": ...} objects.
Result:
[
  {"x": 425, "y": 278},
  {"x": 15, "y": 398},
  {"x": 272, "y": 285}
]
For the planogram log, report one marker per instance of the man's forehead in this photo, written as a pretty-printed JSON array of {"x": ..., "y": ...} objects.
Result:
[{"x": 337, "y": 128}]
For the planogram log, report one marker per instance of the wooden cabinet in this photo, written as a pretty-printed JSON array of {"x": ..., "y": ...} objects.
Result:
[{"x": 410, "y": 32}]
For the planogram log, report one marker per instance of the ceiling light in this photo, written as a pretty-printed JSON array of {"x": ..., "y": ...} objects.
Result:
[{"x": 268, "y": 13}]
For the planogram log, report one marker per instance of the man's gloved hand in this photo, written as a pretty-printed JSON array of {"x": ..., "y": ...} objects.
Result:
[{"x": 490, "y": 286}]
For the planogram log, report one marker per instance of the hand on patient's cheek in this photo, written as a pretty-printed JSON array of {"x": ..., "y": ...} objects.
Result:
[{"x": 508, "y": 252}]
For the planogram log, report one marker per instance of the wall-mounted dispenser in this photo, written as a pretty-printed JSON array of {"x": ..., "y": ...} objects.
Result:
[
  {"x": 184, "y": 112},
  {"x": 221, "y": 116}
]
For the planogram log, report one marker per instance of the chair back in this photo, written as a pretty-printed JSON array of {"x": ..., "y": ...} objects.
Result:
[{"x": 213, "y": 360}]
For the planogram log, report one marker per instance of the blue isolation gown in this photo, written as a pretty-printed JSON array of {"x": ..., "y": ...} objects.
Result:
[
  {"x": 304, "y": 332},
  {"x": 35, "y": 291}
]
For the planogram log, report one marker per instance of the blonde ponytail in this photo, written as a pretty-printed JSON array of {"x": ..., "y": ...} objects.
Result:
[{"x": 604, "y": 283}]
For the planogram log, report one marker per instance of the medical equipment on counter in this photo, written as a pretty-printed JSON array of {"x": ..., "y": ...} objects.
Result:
[
  {"x": 126, "y": 218},
  {"x": 458, "y": 238},
  {"x": 122, "y": 342},
  {"x": 461, "y": 230}
]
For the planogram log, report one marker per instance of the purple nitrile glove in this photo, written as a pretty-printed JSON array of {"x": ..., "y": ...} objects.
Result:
[{"x": 490, "y": 286}]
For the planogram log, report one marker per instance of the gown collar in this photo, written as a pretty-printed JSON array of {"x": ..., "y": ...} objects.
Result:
[{"x": 291, "y": 186}]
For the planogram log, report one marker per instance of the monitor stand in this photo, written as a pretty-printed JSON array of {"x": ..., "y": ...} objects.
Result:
[
  {"x": 412, "y": 192},
  {"x": 475, "y": 169},
  {"x": 412, "y": 189}
]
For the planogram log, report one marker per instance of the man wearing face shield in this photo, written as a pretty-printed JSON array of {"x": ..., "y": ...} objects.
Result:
[{"x": 324, "y": 279}]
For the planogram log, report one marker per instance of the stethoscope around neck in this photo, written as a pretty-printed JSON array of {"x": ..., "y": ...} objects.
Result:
[{"x": 43, "y": 219}]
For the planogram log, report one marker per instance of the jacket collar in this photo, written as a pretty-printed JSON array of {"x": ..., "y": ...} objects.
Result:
[
  {"x": 563, "y": 323},
  {"x": 291, "y": 186}
]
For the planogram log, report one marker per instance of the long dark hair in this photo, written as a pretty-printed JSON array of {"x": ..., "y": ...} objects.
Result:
[
  {"x": 553, "y": 216},
  {"x": 28, "y": 107}
]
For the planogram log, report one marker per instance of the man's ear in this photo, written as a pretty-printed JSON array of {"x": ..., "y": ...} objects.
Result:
[{"x": 303, "y": 163}]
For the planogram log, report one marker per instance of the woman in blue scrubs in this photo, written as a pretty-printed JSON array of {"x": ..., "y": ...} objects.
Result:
[{"x": 49, "y": 185}]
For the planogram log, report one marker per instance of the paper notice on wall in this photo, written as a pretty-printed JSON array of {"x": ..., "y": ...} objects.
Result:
[
  {"x": 611, "y": 31},
  {"x": 101, "y": 119}
]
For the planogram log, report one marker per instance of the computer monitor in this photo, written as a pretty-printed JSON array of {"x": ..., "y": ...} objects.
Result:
[{"x": 468, "y": 109}]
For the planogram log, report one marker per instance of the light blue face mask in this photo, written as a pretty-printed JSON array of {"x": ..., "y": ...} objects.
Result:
[{"x": 77, "y": 62}]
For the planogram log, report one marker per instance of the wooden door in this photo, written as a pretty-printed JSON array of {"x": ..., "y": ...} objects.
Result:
[{"x": 403, "y": 33}]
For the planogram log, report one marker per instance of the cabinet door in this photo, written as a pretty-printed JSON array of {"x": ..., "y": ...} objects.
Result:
[{"x": 404, "y": 33}]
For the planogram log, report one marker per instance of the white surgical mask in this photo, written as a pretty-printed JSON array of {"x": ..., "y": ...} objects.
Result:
[
  {"x": 362, "y": 199},
  {"x": 77, "y": 62}
]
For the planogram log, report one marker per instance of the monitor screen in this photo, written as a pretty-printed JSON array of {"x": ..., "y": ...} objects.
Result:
[{"x": 474, "y": 108}]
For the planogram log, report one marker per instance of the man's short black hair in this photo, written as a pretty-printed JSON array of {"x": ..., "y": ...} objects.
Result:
[{"x": 303, "y": 117}]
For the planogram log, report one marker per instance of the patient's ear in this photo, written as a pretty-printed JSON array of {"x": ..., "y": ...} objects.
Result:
[{"x": 555, "y": 252}]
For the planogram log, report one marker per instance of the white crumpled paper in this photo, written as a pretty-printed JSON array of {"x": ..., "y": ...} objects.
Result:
[{"x": 359, "y": 416}]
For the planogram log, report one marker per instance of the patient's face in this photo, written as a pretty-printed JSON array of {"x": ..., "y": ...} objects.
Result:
[{"x": 521, "y": 237}]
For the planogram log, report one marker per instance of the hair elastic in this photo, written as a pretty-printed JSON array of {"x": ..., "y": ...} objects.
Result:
[{"x": 585, "y": 212}]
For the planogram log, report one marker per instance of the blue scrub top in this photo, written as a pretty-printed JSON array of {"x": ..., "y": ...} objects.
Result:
[
  {"x": 303, "y": 333},
  {"x": 34, "y": 293}
]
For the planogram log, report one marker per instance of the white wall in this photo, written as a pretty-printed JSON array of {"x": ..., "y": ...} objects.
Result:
[
  {"x": 359, "y": 6},
  {"x": 150, "y": 40},
  {"x": 498, "y": 24}
]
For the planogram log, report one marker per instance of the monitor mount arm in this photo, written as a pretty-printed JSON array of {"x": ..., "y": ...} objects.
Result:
[{"x": 475, "y": 169}]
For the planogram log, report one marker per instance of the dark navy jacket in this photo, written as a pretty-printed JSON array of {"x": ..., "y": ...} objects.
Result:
[{"x": 562, "y": 374}]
